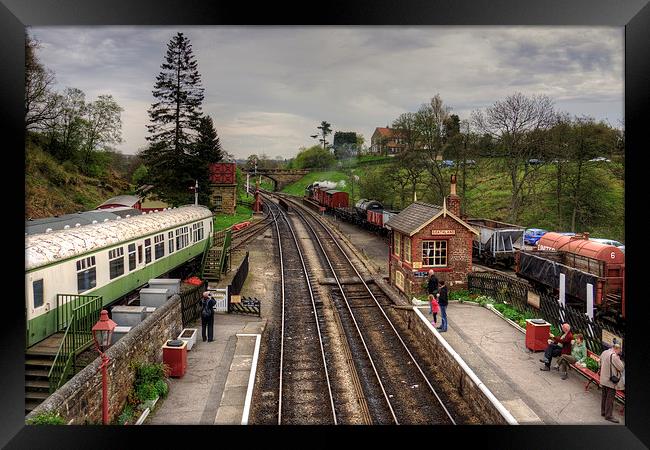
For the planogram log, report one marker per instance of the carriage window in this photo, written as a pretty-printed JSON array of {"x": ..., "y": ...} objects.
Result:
[
  {"x": 159, "y": 249},
  {"x": 38, "y": 293},
  {"x": 197, "y": 231},
  {"x": 434, "y": 253},
  {"x": 116, "y": 262},
  {"x": 86, "y": 274},
  {"x": 182, "y": 237},
  {"x": 147, "y": 251},
  {"x": 131, "y": 257},
  {"x": 170, "y": 235}
]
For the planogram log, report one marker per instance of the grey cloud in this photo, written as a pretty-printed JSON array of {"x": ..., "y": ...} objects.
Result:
[{"x": 267, "y": 88}]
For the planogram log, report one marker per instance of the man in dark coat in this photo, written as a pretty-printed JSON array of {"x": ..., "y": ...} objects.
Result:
[
  {"x": 207, "y": 316},
  {"x": 443, "y": 302},
  {"x": 557, "y": 345}
]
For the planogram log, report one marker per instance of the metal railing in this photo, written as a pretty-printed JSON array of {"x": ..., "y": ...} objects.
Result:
[{"x": 77, "y": 321}]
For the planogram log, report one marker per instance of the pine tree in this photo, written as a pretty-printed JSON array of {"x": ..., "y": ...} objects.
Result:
[
  {"x": 207, "y": 150},
  {"x": 175, "y": 117}
]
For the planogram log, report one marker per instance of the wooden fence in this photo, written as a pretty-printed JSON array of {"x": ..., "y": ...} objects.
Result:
[
  {"x": 190, "y": 303},
  {"x": 504, "y": 289}
]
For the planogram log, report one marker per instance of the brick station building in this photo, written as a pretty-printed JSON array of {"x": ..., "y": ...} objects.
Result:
[
  {"x": 223, "y": 187},
  {"x": 424, "y": 237}
]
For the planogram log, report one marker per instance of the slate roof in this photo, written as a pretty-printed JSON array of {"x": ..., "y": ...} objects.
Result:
[{"x": 413, "y": 217}]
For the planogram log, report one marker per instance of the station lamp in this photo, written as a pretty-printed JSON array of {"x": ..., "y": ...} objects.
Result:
[{"x": 102, "y": 333}]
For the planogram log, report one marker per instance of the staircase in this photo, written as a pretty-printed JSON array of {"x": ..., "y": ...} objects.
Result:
[
  {"x": 215, "y": 260},
  {"x": 38, "y": 362}
]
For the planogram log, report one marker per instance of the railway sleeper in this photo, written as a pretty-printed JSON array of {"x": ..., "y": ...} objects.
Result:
[{"x": 345, "y": 280}]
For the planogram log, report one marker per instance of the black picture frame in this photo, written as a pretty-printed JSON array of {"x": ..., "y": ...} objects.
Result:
[{"x": 634, "y": 15}]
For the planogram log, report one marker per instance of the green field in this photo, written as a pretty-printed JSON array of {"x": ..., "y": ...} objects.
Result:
[{"x": 223, "y": 221}]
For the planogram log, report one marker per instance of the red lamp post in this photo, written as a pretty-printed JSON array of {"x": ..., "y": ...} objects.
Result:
[{"x": 102, "y": 332}]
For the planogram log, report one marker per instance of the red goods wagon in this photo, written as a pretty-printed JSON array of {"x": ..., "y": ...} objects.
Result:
[
  {"x": 376, "y": 217},
  {"x": 223, "y": 173},
  {"x": 606, "y": 263},
  {"x": 336, "y": 199}
]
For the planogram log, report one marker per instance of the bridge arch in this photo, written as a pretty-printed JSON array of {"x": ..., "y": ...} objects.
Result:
[{"x": 280, "y": 177}]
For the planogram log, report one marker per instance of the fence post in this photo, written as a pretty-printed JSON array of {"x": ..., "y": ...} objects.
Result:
[
  {"x": 590, "y": 301},
  {"x": 562, "y": 289}
]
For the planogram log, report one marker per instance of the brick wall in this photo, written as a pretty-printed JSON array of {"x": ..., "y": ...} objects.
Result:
[
  {"x": 80, "y": 399},
  {"x": 466, "y": 388},
  {"x": 228, "y": 195}
]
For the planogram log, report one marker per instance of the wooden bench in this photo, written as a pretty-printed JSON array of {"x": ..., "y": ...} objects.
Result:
[{"x": 593, "y": 377}]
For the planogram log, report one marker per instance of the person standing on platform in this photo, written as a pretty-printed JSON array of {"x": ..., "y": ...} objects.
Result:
[
  {"x": 435, "y": 308},
  {"x": 432, "y": 287},
  {"x": 207, "y": 316},
  {"x": 611, "y": 368},
  {"x": 443, "y": 302}
]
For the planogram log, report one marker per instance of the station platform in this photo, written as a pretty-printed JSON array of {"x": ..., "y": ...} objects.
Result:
[
  {"x": 216, "y": 388},
  {"x": 495, "y": 351}
]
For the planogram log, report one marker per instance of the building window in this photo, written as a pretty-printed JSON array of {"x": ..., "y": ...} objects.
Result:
[
  {"x": 86, "y": 274},
  {"x": 434, "y": 253},
  {"x": 407, "y": 249},
  {"x": 131, "y": 257},
  {"x": 38, "y": 293},
  {"x": 170, "y": 235},
  {"x": 147, "y": 251},
  {"x": 399, "y": 280},
  {"x": 397, "y": 243},
  {"x": 116, "y": 262},
  {"x": 218, "y": 199},
  {"x": 159, "y": 247}
]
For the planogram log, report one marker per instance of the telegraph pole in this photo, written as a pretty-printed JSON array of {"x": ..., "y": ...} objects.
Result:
[{"x": 196, "y": 192}]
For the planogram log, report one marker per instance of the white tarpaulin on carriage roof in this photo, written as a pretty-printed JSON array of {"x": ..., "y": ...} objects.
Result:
[{"x": 46, "y": 248}]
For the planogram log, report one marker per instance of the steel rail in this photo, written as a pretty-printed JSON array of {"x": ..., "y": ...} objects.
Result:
[
  {"x": 356, "y": 325},
  {"x": 313, "y": 215},
  {"x": 313, "y": 303}
]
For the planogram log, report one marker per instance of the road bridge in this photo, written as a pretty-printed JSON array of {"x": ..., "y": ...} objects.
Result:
[{"x": 280, "y": 177}]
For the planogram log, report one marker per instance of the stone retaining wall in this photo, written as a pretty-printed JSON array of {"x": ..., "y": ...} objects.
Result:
[
  {"x": 79, "y": 401},
  {"x": 466, "y": 387}
]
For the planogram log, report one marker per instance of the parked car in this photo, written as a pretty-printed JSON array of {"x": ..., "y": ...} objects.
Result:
[
  {"x": 535, "y": 162},
  {"x": 532, "y": 235},
  {"x": 470, "y": 162},
  {"x": 600, "y": 159},
  {"x": 566, "y": 233},
  {"x": 618, "y": 244},
  {"x": 447, "y": 163}
]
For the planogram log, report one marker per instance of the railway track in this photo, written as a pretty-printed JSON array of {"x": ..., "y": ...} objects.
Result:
[
  {"x": 305, "y": 393},
  {"x": 396, "y": 388}
]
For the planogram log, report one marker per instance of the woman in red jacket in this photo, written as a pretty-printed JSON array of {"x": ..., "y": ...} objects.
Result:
[{"x": 557, "y": 345}]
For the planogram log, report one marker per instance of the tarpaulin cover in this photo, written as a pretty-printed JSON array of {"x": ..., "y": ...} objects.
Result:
[{"x": 547, "y": 272}]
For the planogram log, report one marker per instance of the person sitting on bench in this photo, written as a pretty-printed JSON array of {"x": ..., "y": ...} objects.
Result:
[
  {"x": 577, "y": 356},
  {"x": 557, "y": 346}
]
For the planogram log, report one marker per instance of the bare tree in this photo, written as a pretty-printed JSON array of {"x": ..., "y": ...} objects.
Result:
[
  {"x": 430, "y": 123},
  {"x": 515, "y": 122},
  {"x": 41, "y": 104}
]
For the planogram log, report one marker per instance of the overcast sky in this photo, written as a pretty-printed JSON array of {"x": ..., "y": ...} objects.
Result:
[{"x": 268, "y": 88}]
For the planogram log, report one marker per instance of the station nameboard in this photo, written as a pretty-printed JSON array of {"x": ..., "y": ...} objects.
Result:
[{"x": 443, "y": 232}]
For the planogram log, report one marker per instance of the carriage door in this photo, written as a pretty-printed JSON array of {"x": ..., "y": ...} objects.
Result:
[{"x": 42, "y": 321}]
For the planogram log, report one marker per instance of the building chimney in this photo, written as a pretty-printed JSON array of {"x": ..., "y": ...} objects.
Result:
[{"x": 453, "y": 200}]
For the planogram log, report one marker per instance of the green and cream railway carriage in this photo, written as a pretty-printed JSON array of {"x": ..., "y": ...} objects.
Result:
[{"x": 107, "y": 259}]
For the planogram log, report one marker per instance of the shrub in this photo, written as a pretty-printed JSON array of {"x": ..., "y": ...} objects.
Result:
[
  {"x": 127, "y": 414},
  {"x": 161, "y": 388},
  {"x": 146, "y": 391},
  {"x": 46, "y": 418},
  {"x": 592, "y": 364}
]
